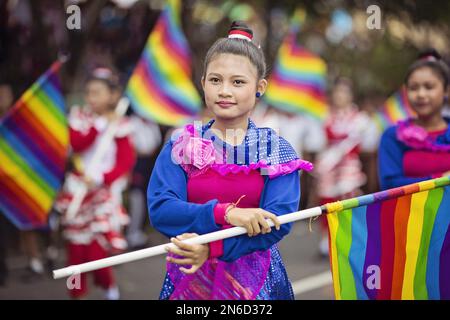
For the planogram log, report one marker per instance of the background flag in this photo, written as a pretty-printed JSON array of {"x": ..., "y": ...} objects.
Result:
[
  {"x": 160, "y": 87},
  {"x": 297, "y": 83},
  {"x": 395, "y": 108},
  {"x": 34, "y": 140}
]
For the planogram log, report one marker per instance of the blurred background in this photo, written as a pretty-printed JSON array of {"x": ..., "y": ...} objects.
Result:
[{"x": 33, "y": 33}]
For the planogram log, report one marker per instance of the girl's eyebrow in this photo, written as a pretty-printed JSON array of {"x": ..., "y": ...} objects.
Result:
[{"x": 233, "y": 76}]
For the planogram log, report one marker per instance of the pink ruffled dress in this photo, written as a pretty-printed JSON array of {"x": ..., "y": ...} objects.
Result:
[{"x": 219, "y": 172}]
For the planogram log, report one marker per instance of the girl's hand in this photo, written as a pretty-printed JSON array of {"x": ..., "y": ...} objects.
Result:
[
  {"x": 252, "y": 219},
  {"x": 195, "y": 254},
  {"x": 446, "y": 174}
]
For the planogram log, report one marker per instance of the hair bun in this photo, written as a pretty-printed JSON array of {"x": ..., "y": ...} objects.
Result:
[
  {"x": 239, "y": 30},
  {"x": 429, "y": 54}
]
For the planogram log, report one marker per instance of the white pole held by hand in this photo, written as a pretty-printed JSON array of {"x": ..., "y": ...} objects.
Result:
[
  {"x": 161, "y": 249},
  {"x": 105, "y": 143}
]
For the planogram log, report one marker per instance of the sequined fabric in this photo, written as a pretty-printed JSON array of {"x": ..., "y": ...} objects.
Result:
[{"x": 276, "y": 286}]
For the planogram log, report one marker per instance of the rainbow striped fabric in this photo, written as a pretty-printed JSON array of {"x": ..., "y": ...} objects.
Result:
[
  {"x": 393, "y": 244},
  {"x": 34, "y": 140},
  {"x": 297, "y": 83},
  {"x": 395, "y": 108},
  {"x": 160, "y": 87}
]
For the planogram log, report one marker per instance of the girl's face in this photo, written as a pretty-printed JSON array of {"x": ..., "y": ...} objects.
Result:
[
  {"x": 230, "y": 85},
  {"x": 426, "y": 92},
  {"x": 341, "y": 96},
  {"x": 99, "y": 96}
]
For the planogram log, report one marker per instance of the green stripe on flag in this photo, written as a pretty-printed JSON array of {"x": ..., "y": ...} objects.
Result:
[
  {"x": 430, "y": 210},
  {"x": 343, "y": 244}
]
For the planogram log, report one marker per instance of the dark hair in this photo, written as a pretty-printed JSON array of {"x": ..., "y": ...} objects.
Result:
[
  {"x": 107, "y": 76},
  {"x": 432, "y": 59},
  {"x": 241, "y": 45},
  {"x": 343, "y": 81}
]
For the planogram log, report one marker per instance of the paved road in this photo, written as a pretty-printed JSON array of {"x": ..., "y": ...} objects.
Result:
[{"x": 142, "y": 280}]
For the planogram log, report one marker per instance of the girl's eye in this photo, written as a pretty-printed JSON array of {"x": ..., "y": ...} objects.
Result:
[
  {"x": 429, "y": 86},
  {"x": 214, "y": 80},
  {"x": 239, "y": 82}
]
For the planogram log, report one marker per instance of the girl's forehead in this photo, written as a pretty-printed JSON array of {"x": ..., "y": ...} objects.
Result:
[
  {"x": 231, "y": 64},
  {"x": 424, "y": 73}
]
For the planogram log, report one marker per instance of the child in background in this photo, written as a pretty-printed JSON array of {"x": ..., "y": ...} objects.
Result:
[
  {"x": 419, "y": 149},
  {"x": 96, "y": 230}
]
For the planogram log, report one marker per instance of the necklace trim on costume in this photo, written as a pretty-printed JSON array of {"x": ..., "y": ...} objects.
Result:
[
  {"x": 417, "y": 137},
  {"x": 196, "y": 154}
]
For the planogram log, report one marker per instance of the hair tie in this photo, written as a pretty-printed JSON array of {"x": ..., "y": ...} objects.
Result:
[
  {"x": 102, "y": 73},
  {"x": 429, "y": 57},
  {"x": 240, "y": 34}
]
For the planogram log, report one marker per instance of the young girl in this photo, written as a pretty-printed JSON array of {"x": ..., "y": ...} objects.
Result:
[
  {"x": 419, "y": 149},
  {"x": 223, "y": 174},
  {"x": 95, "y": 231}
]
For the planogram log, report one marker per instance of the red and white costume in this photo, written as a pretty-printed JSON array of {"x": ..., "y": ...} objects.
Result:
[
  {"x": 96, "y": 230},
  {"x": 338, "y": 168}
]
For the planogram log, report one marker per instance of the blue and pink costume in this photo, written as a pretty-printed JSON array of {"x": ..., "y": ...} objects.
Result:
[
  {"x": 196, "y": 177},
  {"x": 409, "y": 154}
]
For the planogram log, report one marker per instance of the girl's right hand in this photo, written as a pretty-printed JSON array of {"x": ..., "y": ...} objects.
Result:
[{"x": 252, "y": 219}]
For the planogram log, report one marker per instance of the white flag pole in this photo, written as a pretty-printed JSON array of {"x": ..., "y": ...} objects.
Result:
[
  {"x": 107, "y": 139},
  {"x": 158, "y": 250}
]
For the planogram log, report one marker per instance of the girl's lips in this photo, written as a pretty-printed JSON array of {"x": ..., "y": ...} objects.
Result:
[{"x": 225, "y": 104}]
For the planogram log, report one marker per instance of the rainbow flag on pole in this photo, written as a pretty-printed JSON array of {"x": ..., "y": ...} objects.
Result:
[
  {"x": 34, "y": 140},
  {"x": 297, "y": 83},
  {"x": 393, "y": 244},
  {"x": 395, "y": 108},
  {"x": 160, "y": 87}
]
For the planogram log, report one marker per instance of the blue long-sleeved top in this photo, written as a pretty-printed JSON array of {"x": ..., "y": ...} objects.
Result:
[
  {"x": 172, "y": 215},
  {"x": 390, "y": 161}
]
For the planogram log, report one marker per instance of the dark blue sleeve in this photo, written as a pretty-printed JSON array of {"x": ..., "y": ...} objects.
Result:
[
  {"x": 280, "y": 196},
  {"x": 390, "y": 162},
  {"x": 170, "y": 212}
]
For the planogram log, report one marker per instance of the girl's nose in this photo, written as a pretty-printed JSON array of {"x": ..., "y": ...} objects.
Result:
[{"x": 224, "y": 91}]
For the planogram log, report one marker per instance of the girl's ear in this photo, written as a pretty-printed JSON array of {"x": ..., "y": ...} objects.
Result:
[{"x": 262, "y": 86}]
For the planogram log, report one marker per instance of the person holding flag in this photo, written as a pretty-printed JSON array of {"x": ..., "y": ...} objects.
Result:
[
  {"x": 418, "y": 149},
  {"x": 95, "y": 231},
  {"x": 205, "y": 180}
]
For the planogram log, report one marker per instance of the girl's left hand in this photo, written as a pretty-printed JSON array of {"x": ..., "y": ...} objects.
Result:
[{"x": 195, "y": 254}]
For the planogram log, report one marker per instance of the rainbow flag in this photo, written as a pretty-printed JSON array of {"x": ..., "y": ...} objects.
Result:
[
  {"x": 297, "y": 83},
  {"x": 395, "y": 108},
  {"x": 34, "y": 140},
  {"x": 160, "y": 87},
  {"x": 393, "y": 244}
]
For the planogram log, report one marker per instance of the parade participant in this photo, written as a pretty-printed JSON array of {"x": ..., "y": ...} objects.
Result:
[
  {"x": 418, "y": 149},
  {"x": 338, "y": 167},
  {"x": 96, "y": 229},
  {"x": 227, "y": 173}
]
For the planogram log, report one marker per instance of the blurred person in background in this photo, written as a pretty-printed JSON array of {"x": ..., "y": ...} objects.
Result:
[
  {"x": 95, "y": 232},
  {"x": 418, "y": 149},
  {"x": 338, "y": 167}
]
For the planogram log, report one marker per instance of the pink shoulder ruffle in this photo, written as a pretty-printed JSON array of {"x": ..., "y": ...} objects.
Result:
[{"x": 196, "y": 155}]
